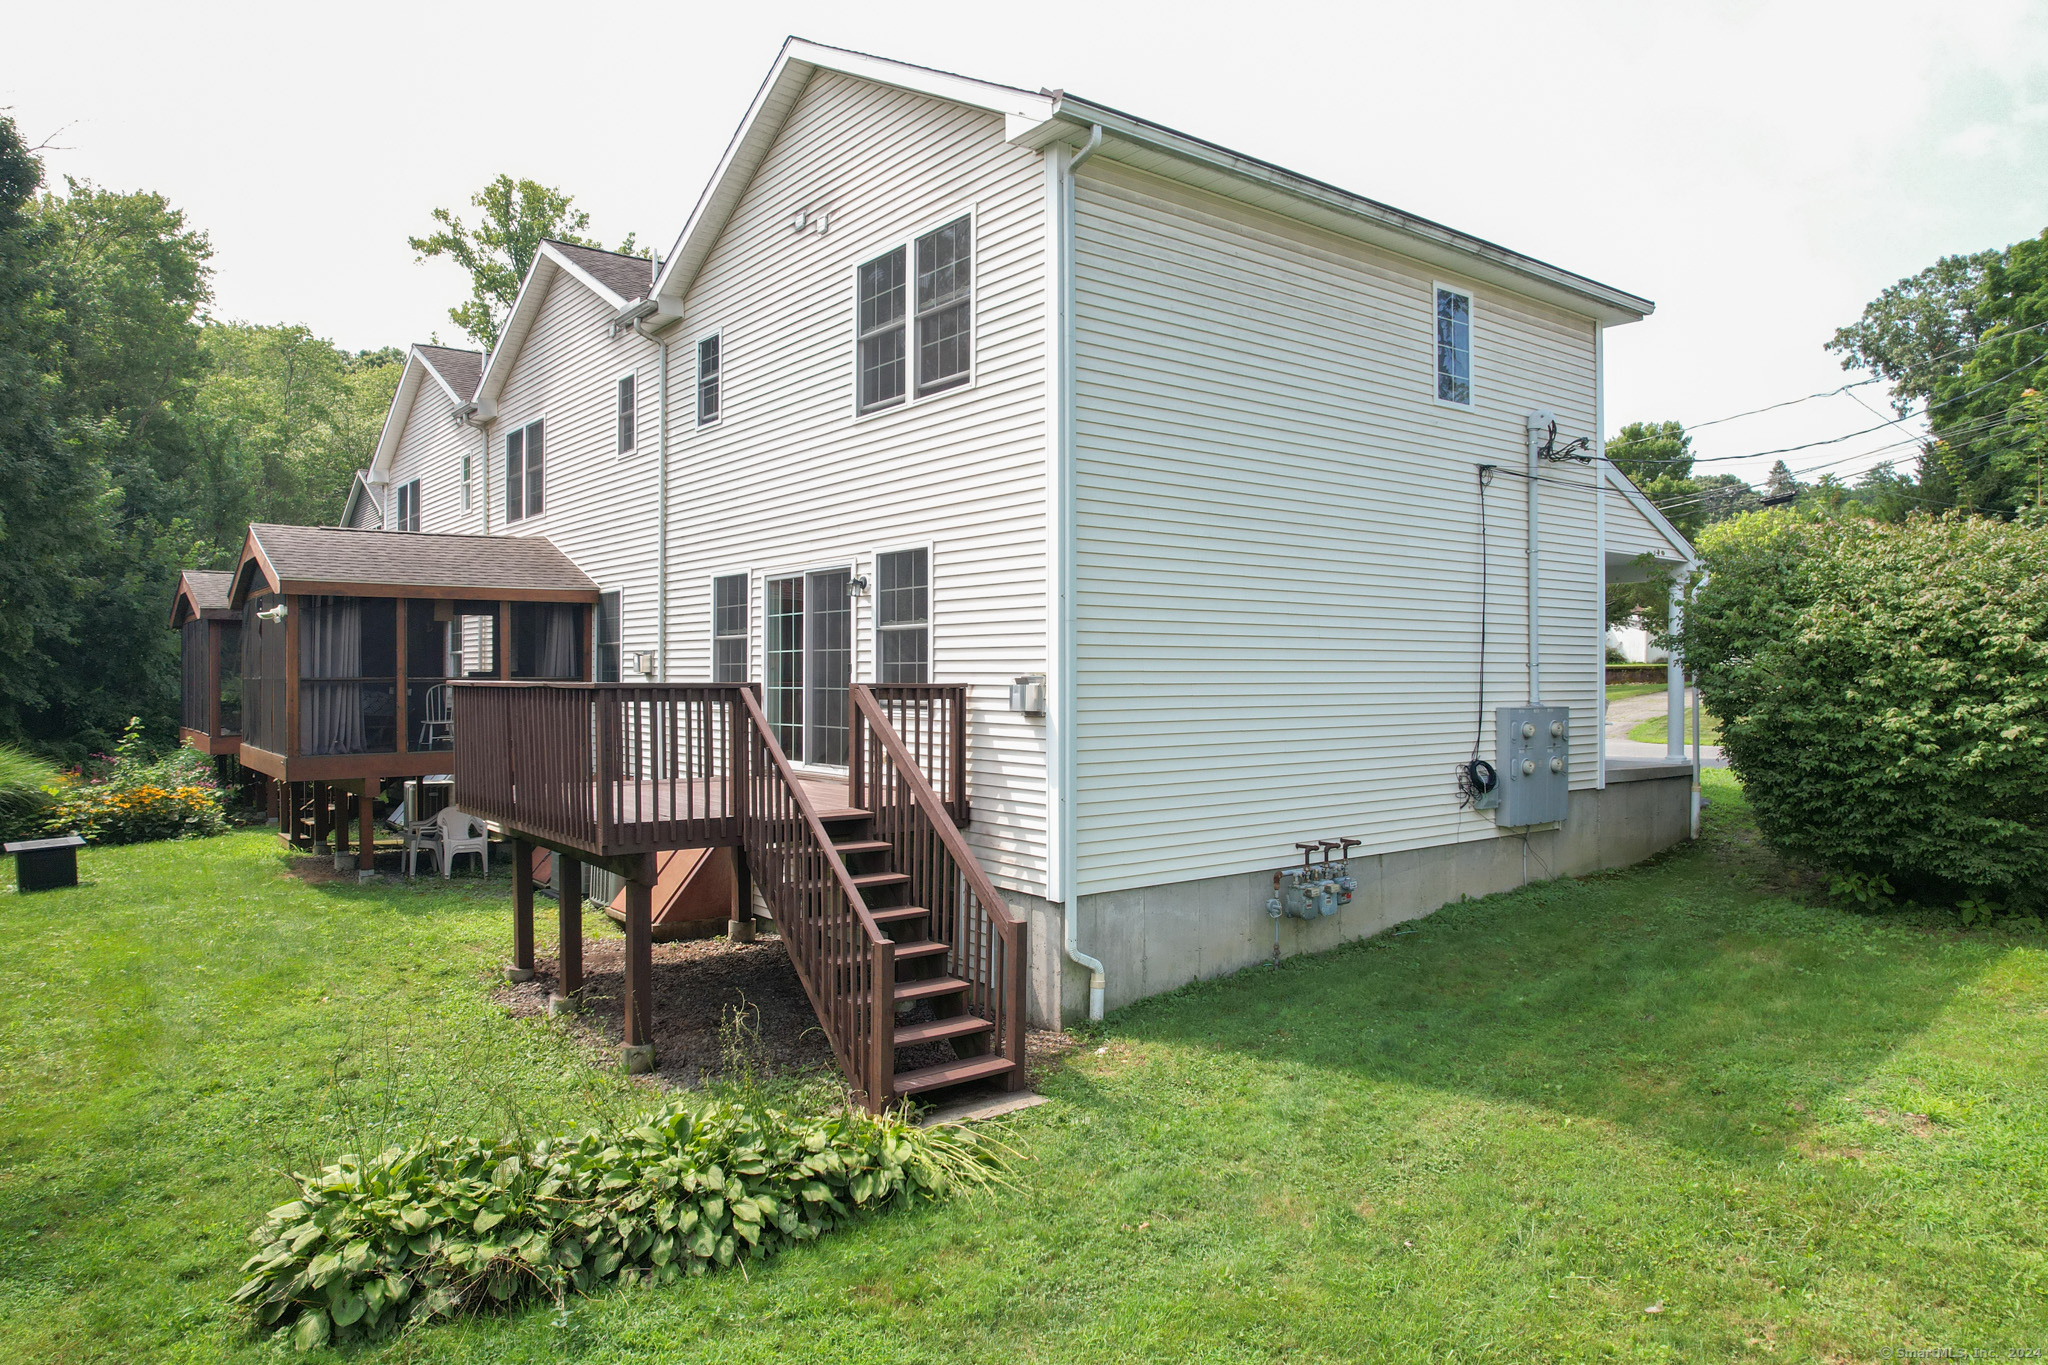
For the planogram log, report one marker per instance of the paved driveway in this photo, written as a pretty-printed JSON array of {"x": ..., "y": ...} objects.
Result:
[{"x": 1626, "y": 714}]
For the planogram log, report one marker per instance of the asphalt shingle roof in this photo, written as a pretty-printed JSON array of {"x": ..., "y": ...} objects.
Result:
[
  {"x": 630, "y": 277},
  {"x": 484, "y": 566},
  {"x": 462, "y": 369}
]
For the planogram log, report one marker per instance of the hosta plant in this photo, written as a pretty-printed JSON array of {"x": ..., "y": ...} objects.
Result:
[{"x": 457, "y": 1225}]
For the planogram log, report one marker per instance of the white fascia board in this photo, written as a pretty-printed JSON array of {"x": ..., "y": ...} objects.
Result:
[
  {"x": 583, "y": 277},
  {"x": 1641, "y": 502},
  {"x": 533, "y": 289},
  {"x": 401, "y": 403},
  {"x": 793, "y": 68},
  {"x": 458, "y": 399},
  {"x": 1262, "y": 184}
]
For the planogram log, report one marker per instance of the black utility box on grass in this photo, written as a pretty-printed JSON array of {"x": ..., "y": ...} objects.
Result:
[{"x": 45, "y": 864}]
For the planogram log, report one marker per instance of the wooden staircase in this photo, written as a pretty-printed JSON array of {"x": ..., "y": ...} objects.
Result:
[{"x": 929, "y": 1005}]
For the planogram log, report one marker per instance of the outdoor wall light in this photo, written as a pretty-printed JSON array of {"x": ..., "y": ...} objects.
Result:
[
  {"x": 643, "y": 661},
  {"x": 272, "y": 614},
  {"x": 857, "y": 586}
]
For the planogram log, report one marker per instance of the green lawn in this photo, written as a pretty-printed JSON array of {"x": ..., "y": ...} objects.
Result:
[
  {"x": 1655, "y": 729},
  {"x": 1506, "y": 1133},
  {"x": 1621, "y": 690}
]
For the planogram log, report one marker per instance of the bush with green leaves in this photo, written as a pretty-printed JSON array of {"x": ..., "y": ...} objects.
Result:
[
  {"x": 134, "y": 796},
  {"x": 456, "y": 1225},
  {"x": 28, "y": 788},
  {"x": 1883, "y": 695}
]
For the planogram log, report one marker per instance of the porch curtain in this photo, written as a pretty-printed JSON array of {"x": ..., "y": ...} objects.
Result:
[
  {"x": 558, "y": 643},
  {"x": 330, "y": 646}
]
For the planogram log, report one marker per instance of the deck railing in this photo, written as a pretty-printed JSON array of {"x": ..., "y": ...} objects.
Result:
[
  {"x": 606, "y": 767},
  {"x": 847, "y": 965},
  {"x": 988, "y": 940},
  {"x": 930, "y": 720}
]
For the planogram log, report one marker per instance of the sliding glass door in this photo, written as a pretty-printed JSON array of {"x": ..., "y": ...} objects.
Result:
[{"x": 809, "y": 648}]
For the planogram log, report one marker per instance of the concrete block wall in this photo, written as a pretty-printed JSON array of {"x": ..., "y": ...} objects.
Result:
[{"x": 1158, "y": 937}]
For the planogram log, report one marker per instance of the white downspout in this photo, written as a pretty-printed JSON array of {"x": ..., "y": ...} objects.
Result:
[
  {"x": 1539, "y": 429},
  {"x": 1600, "y": 555},
  {"x": 1063, "y": 571},
  {"x": 661, "y": 510}
]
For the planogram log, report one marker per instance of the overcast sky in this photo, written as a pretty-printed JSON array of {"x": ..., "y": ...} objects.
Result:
[{"x": 1760, "y": 170}]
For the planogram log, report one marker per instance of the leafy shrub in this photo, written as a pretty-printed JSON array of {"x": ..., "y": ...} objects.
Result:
[
  {"x": 133, "y": 797},
  {"x": 27, "y": 791},
  {"x": 457, "y": 1225},
  {"x": 1883, "y": 695}
]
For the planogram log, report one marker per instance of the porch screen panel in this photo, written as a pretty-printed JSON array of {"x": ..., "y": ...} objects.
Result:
[
  {"x": 828, "y": 631},
  {"x": 192, "y": 676},
  {"x": 784, "y": 647},
  {"x": 429, "y": 704},
  {"x": 264, "y": 683},
  {"x": 348, "y": 664},
  {"x": 229, "y": 637}
]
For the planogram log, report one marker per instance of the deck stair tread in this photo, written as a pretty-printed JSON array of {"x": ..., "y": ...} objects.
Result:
[
  {"x": 929, "y": 987},
  {"x": 871, "y": 881},
  {"x": 937, "y": 1030},
  {"x": 849, "y": 846},
  {"x": 952, "y": 1073},
  {"x": 899, "y": 914},
  {"x": 931, "y": 947}
]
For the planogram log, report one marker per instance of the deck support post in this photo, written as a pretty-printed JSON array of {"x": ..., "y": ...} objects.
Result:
[
  {"x": 342, "y": 857},
  {"x": 740, "y": 927},
  {"x": 881, "y": 1060},
  {"x": 569, "y": 920},
  {"x": 319, "y": 795},
  {"x": 522, "y": 912},
  {"x": 366, "y": 844},
  {"x": 638, "y": 1053}
]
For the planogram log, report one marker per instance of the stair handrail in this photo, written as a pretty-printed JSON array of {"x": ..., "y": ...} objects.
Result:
[
  {"x": 935, "y": 810},
  {"x": 811, "y": 821}
]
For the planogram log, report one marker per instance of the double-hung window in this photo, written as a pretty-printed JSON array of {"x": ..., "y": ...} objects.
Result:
[
  {"x": 626, "y": 412},
  {"x": 523, "y": 468},
  {"x": 903, "y": 602},
  {"x": 1453, "y": 346},
  {"x": 408, "y": 506},
  {"x": 707, "y": 380},
  {"x": 729, "y": 628},
  {"x": 915, "y": 309},
  {"x": 465, "y": 480},
  {"x": 608, "y": 637}
]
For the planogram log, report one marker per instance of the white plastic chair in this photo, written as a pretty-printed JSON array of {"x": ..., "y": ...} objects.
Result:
[
  {"x": 437, "y": 726},
  {"x": 447, "y": 837}
]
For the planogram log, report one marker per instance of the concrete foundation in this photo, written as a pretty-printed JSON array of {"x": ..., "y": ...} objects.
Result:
[
  {"x": 1155, "y": 938},
  {"x": 637, "y": 1058}
]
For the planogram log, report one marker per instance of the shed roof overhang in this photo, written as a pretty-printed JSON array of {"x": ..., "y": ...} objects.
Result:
[{"x": 328, "y": 560}]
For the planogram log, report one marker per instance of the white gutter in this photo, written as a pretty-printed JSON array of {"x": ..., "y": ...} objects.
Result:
[
  {"x": 1060, "y": 740},
  {"x": 661, "y": 511}
]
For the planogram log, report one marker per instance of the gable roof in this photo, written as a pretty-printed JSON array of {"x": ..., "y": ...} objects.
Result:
[
  {"x": 359, "y": 493},
  {"x": 202, "y": 593},
  {"x": 1659, "y": 523},
  {"x": 616, "y": 279},
  {"x": 1052, "y": 116},
  {"x": 455, "y": 373},
  {"x": 327, "y": 559}
]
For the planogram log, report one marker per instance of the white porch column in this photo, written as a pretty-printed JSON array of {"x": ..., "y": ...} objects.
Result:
[{"x": 1674, "y": 686}]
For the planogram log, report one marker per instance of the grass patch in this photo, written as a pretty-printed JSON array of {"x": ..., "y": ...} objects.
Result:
[
  {"x": 1619, "y": 691},
  {"x": 1505, "y": 1133},
  {"x": 1655, "y": 729}
]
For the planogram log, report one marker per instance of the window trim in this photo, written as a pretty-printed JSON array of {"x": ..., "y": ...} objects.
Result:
[
  {"x": 1471, "y": 348},
  {"x": 711, "y": 619},
  {"x": 466, "y": 477},
  {"x": 908, "y": 243},
  {"x": 697, "y": 378},
  {"x": 874, "y": 605},
  {"x": 619, "y": 452},
  {"x": 525, "y": 516}
]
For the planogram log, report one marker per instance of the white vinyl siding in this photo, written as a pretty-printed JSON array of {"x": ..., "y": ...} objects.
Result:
[
  {"x": 789, "y": 479},
  {"x": 432, "y": 448},
  {"x": 1277, "y": 591}
]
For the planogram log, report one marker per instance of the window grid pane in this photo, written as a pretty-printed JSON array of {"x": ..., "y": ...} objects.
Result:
[
  {"x": 944, "y": 308},
  {"x": 626, "y": 414},
  {"x": 902, "y": 616},
  {"x": 881, "y": 327},
  {"x": 783, "y": 611},
  {"x": 608, "y": 660},
  {"x": 515, "y": 475},
  {"x": 729, "y": 628},
  {"x": 1453, "y": 346},
  {"x": 533, "y": 469},
  {"x": 707, "y": 380},
  {"x": 828, "y": 665}
]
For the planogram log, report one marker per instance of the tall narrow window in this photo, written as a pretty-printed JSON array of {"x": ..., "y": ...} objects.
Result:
[
  {"x": 783, "y": 617},
  {"x": 903, "y": 617},
  {"x": 465, "y": 481},
  {"x": 707, "y": 381},
  {"x": 608, "y": 637},
  {"x": 729, "y": 628},
  {"x": 881, "y": 331},
  {"x": 626, "y": 413},
  {"x": 523, "y": 473},
  {"x": 408, "y": 506},
  {"x": 945, "y": 269},
  {"x": 1453, "y": 346}
]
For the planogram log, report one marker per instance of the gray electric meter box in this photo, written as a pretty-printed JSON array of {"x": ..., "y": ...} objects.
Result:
[{"x": 1533, "y": 764}]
